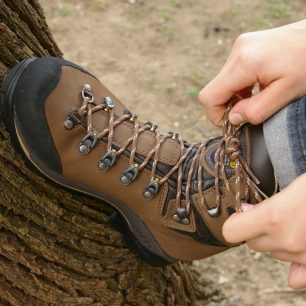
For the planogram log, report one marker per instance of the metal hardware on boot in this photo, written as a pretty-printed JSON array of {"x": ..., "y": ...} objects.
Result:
[
  {"x": 129, "y": 175},
  {"x": 109, "y": 103},
  {"x": 86, "y": 92},
  {"x": 71, "y": 121},
  {"x": 152, "y": 125},
  {"x": 127, "y": 112},
  {"x": 87, "y": 87},
  {"x": 88, "y": 142},
  {"x": 68, "y": 123},
  {"x": 181, "y": 216},
  {"x": 106, "y": 161},
  {"x": 214, "y": 212},
  {"x": 133, "y": 116},
  {"x": 173, "y": 135},
  {"x": 151, "y": 189}
]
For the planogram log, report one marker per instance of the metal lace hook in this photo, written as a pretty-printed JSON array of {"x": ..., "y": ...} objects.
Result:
[{"x": 86, "y": 93}]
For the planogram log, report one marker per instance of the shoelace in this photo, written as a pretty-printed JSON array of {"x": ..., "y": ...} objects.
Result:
[{"x": 229, "y": 146}]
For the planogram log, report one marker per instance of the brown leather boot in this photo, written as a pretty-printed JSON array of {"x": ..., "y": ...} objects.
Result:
[{"x": 171, "y": 197}]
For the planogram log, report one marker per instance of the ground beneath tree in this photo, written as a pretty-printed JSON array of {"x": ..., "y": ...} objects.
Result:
[{"x": 155, "y": 56}]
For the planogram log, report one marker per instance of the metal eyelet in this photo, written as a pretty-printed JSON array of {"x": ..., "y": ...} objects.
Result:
[
  {"x": 214, "y": 212},
  {"x": 71, "y": 121},
  {"x": 86, "y": 93},
  {"x": 173, "y": 135},
  {"x": 127, "y": 112},
  {"x": 87, "y": 87},
  {"x": 109, "y": 103},
  {"x": 181, "y": 216},
  {"x": 107, "y": 160},
  {"x": 153, "y": 126},
  {"x": 151, "y": 189},
  {"x": 129, "y": 175},
  {"x": 133, "y": 116},
  {"x": 88, "y": 142}
]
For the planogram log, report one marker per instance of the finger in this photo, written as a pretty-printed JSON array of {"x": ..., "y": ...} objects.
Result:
[
  {"x": 263, "y": 243},
  {"x": 261, "y": 106},
  {"x": 247, "y": 225},
  {"x": 219, "y": 91},
  {"x": 284, "y": 256},
  {"x": 297, "y": 276}
]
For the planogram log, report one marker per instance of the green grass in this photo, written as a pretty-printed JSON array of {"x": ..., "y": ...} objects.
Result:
[
  {"x": 280, "y": 10},
  {"x": 235, "y": 10},
  {"x": 170, "y": 88},
  {"x": 64, "y": 11},
  {"x": 197, "y": 77},
  {"x": 185, "y": 49},
  {"x": 193, "y": 91},
  {"x": 99, "y": 5},
  {"x": 165, "y": 12},
  {"x": 176, "y": 3},
  {"x": 49, "y": 16},
  {"x": 259, "y": 22},
  {"x": 197, "y": 82},
  {"x": 170, "y": 31},
  {"x": 150, "y": 81}
]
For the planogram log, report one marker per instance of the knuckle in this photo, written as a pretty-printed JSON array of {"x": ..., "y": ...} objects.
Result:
[
  {"x": 202, "y": 97},
  {"x": 205, "y": 96},
  {"x": 243, "y": 40},
  {"x": 254, "y": 114},
  {"x": 292, "y": 245},
  {"x": 244, "y": 56},
  {"x": 243, "y": 49},
  {"x": 274, "y": 219}
]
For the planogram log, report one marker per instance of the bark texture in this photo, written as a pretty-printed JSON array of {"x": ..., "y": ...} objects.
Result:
[{"x": 56, "y": 247}]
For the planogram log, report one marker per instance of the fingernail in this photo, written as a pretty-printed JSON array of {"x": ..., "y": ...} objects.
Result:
[
  {"x": 235, "y": 118},
  {"x": 246, "y": 207}
]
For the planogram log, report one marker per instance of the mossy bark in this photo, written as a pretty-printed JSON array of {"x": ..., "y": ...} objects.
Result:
[{"x": 56, "y": 247}]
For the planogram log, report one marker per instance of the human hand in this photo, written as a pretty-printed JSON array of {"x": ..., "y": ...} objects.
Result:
[
  {"x": 276, "y": 225},
  {"x": 274, "y": 58}
]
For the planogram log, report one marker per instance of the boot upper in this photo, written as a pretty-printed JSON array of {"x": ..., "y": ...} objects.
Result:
[{"x": 187, "y": 211}]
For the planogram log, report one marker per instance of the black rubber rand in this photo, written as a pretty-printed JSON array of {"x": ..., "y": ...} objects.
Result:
[{"x": 18, "y": 86}]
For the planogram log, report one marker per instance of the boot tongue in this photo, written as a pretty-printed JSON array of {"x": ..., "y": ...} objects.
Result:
[
  {"x": 209, "y": 157},
  {"x": 260, "y": 161},
  {"x": 253, "y": 151}
]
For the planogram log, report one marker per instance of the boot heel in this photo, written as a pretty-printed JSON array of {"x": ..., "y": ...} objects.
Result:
[
  {"x": 7, "y": 106},
  {"x": 7, "y": 92}
]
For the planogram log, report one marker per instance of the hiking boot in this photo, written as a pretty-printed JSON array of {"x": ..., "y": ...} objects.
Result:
[{"x": 171, "y": 197}]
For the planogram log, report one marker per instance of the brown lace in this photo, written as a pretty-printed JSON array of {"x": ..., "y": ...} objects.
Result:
[{"x": 229, "y": 146}]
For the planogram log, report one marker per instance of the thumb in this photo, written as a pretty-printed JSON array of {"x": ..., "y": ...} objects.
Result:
[
  {"x": 297, "y": 276},
  {"x": 261, "y": 106},
  {"x": 246, "y": 225}
]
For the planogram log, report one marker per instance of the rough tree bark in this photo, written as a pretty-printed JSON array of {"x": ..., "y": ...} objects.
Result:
[{"x": 56, "y": 247}]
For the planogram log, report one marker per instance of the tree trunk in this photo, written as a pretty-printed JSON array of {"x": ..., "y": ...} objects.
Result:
[{"x": 56, "y": 247}]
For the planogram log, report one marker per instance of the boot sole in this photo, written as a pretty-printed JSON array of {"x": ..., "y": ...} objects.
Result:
[{"x": 135, "y": 233}]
